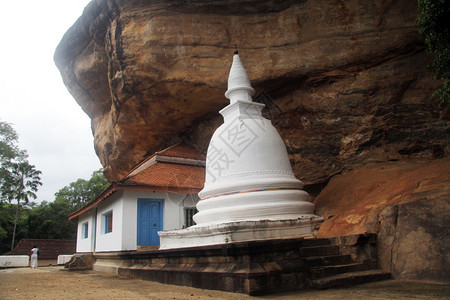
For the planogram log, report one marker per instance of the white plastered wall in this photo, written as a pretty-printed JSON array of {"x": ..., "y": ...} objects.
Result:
[
  {"x": 174, "y": 209},
  {"x": 86, "y": 244},
  {"x": 173, "y": 204},
  {"x": 111, "y": 241},
  {"x": 173, "y": 213},
  {"x": 123, "y": 204}
]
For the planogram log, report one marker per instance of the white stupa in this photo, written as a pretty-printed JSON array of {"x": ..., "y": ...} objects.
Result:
[{"x": 250, "y": 191}]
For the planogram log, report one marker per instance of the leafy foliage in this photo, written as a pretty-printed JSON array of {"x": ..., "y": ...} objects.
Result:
[
  {"x": 20, "y": 184},
  {"x": 19, "y": 181},
  {"x": 12, "y": 162},
  {"x": 48, "y": 220},
  {"x": 7, "y": 216},
  {"x": 434, "y": 26},
  {"x": 83, "y": 191},
  {"x": 9, "y": 150}
]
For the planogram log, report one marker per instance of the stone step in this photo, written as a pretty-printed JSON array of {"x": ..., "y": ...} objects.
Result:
[
  {"x": 315, "y": 242},
  {"x": 319, "y": 251},
  {"x": 326, "y": 271},
  {"x": 316, "y": 261},
  {"x": 349, "y": 279}
]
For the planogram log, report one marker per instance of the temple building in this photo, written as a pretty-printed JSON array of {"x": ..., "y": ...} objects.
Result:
[
  {"x": 250, "y": 191},
  {"x": 158, "y": 194}
]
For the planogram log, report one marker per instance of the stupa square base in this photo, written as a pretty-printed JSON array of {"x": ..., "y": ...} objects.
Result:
[
  {"x": 253, "y": 268},
  {"x": 241, "y": 231}
]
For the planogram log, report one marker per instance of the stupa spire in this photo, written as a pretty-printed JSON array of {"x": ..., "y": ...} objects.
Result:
[{"x": 239, "y": 87}]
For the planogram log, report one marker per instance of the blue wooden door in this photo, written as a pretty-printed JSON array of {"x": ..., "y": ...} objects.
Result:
[{"x": 149, "y": 221}]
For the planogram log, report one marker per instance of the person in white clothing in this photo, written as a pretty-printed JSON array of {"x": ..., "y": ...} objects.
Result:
[{"x": 34, "y": 257}]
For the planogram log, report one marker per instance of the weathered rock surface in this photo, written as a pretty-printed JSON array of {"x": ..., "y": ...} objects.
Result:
[
  {"x": 344, "y": 81},
  {"x": 407, "y": 203}
]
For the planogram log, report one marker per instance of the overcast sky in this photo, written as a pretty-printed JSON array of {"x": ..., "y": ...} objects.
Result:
[{"x": 52, "y": 127}]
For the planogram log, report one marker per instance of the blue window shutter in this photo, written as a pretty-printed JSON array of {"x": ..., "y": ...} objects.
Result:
[
  {"x": 85, "y": 230},
  {"x": 108, "y": 222}
]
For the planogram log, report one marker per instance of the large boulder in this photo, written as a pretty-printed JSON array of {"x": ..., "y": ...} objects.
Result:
[{"x": 343, "y": 81}]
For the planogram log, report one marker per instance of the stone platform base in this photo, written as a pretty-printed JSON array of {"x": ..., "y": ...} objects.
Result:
[
  {"x": 242, "y": 231},
  {"x": 255, "y": 268},
  {"x": 258, "y": 267},
  {"x": 252, "y": 268}
]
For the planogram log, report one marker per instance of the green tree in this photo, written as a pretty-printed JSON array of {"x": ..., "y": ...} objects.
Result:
[
  {"x": 9, "y": 151},
  {"x": 434, "y": 26},
  {"x": 7, "y": 215},
  {"x": 49, "y": 221},
  {"x": 19, "y": 180},
  {"x": 20, "y": 183},
  {"x": 83, "y": 191},
  {"x": 6, "y": 219}
]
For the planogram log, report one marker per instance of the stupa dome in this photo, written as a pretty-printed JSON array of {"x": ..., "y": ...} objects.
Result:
[
  {"x": 246, "y": 152},
  {"x": 248, "y": 173}
]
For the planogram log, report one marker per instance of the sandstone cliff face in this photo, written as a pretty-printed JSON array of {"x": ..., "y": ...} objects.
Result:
[{"x": 344, "y": 82}]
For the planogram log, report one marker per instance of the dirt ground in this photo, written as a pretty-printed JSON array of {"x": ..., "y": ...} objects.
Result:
[{"x": 55, "y": 283}]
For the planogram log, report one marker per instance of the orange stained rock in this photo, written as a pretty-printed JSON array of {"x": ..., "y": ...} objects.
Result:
[{"x": 351, "y": 203}]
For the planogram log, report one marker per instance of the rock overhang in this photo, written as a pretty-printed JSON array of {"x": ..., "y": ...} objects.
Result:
[{"x": 151, "y": 73}]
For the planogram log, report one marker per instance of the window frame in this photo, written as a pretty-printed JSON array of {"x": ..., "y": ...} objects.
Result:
[
  {"x": 189, "y": 212},
  {"x": 108, "y": 222},
  {"x": 84, "y": 230}
]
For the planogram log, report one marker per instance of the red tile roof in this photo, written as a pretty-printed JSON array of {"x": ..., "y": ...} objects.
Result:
[
  {"x": 169, "y": 175},
  {"x": 48, "y": 248},
  {"x": 183, "y": 151},
  {"x": 179, "y": 168},
  {"x": 179, "y": 153}
]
